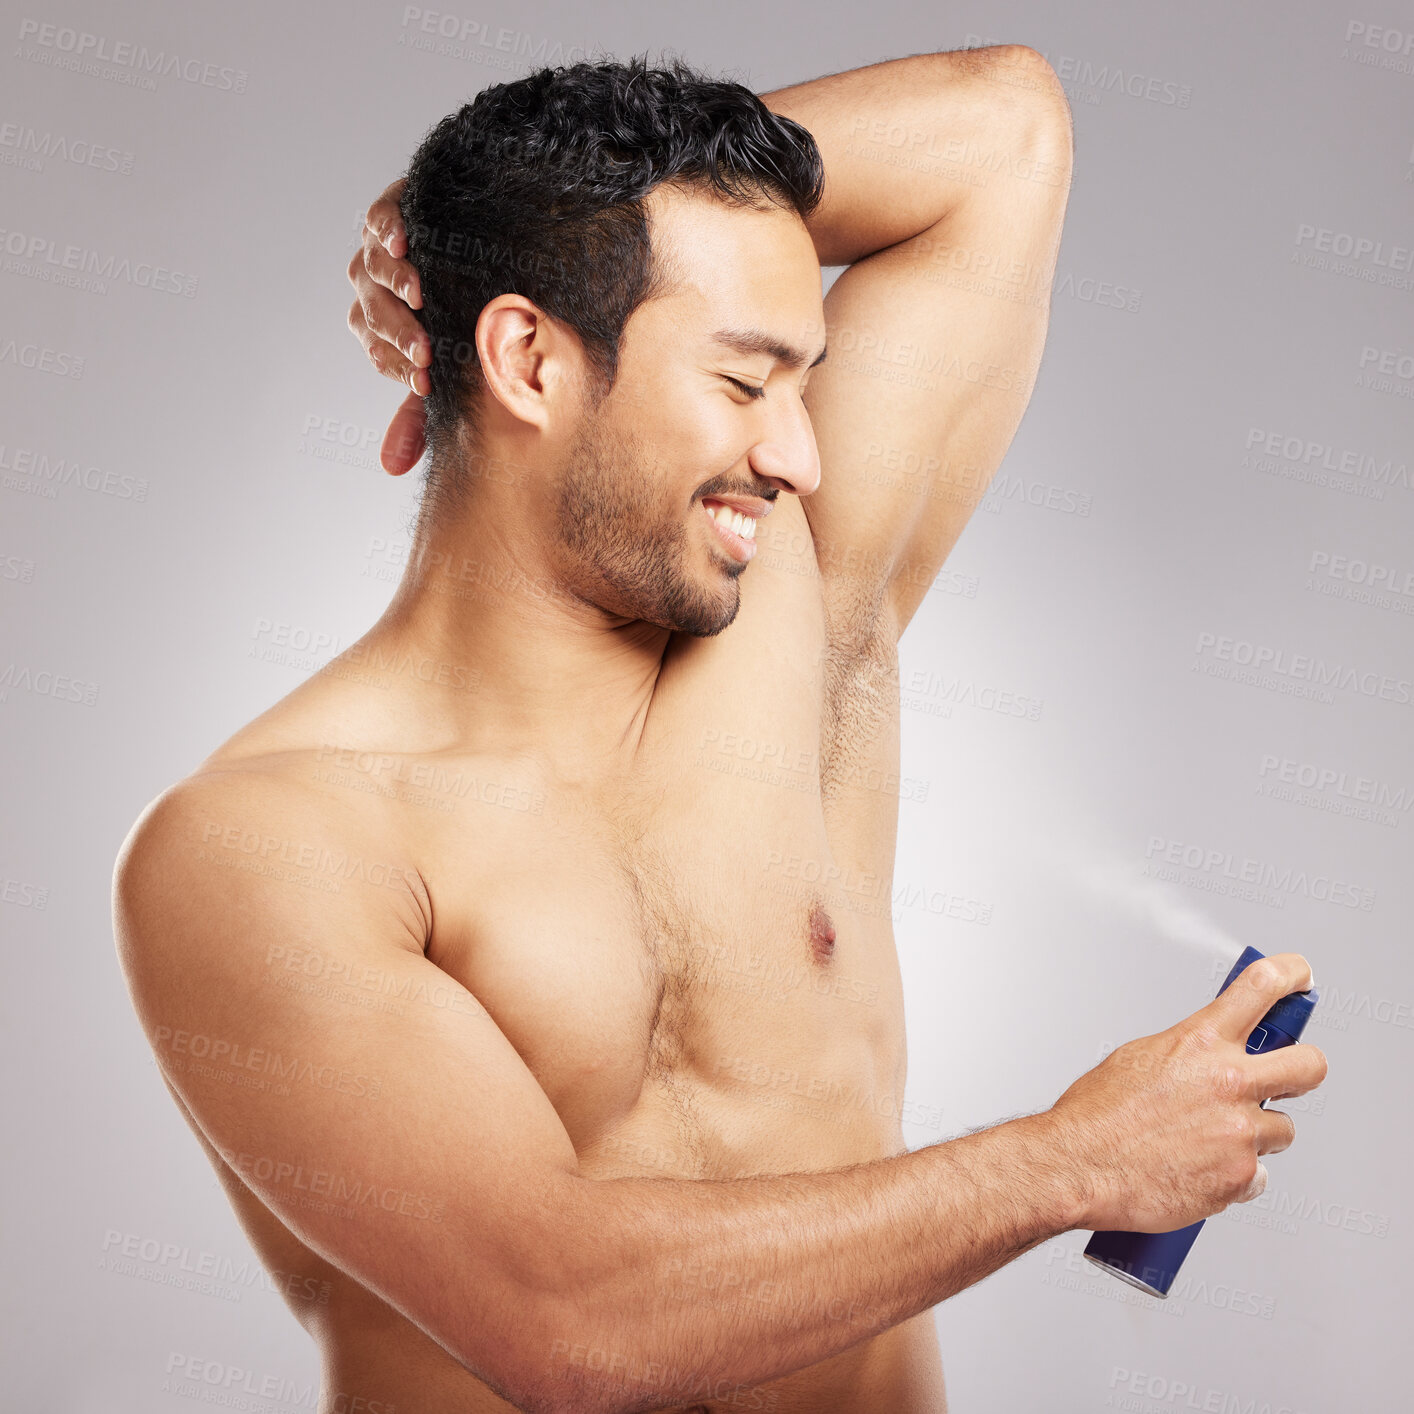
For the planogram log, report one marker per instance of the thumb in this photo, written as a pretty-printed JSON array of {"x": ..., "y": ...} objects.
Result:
[{"x": 405, "y": 440}]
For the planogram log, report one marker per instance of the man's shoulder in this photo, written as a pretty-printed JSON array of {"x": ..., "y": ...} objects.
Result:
[
  {"x": 229, "y": 789},
  {"x": 258, "y": 835},
  {"x": 271, "y": 777}
]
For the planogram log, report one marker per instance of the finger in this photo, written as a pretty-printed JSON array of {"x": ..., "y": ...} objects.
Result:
[
  {"x": 405, "y": 439},
  {"x": 391, "y": 364},
  {"x": 1257, "y": 1187},
  {"x": 377, "y": 281},
  {"x": 1254, "y": 991},
  {"x": 1290, "y": 1071},
  {"x": 386, "y": 357},
  {"x": 399, "y": 276},
  {"x": 386, "y": 317},
  {"x": 385, "y": 219},
  {"x": 1276, "y": 1130}
]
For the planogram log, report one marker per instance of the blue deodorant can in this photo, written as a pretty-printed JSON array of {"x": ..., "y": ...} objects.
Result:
[{"x": 1150, "y": 1260}]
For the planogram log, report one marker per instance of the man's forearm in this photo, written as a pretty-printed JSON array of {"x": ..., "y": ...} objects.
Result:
[
  {"x": 736, "y": 1282},
  {"x": 909, "y": 142}
]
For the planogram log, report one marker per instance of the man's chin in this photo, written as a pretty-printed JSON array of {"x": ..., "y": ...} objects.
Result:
[{"x": 710, "y": 614}]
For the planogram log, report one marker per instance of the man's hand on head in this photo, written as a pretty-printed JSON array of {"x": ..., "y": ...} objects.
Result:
[{"x": 381, "y": 316}]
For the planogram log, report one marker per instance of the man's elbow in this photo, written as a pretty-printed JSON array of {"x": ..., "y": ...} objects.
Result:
[
  {"x": 551, "y": 1351},
  {"x": 538, "y": 1360},
  {"x": 574, "y": 1375},
  {"x": 1040, "y": 97}
]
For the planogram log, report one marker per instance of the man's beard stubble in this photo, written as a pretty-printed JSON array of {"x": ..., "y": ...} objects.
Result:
[{"x": 628, "y": 562}]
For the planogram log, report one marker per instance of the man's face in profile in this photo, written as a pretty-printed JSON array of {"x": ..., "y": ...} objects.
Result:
[{"x": 684, "y": 421}]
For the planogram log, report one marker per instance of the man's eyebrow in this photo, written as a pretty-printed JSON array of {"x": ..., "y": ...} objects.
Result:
[{"x": 754, "y": 341}]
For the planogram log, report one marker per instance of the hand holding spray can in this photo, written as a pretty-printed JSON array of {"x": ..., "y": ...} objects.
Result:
[{"x": 1150, "y": 1260}]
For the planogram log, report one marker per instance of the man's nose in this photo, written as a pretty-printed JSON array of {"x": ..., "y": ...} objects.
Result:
[{"x": 787, "y": 454}]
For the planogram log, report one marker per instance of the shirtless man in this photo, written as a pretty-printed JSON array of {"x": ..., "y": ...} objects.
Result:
[{"x": 527, "y": 973}]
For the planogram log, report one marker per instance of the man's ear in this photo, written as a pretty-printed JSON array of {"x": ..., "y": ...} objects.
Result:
[{"x": 528, "y": 358}]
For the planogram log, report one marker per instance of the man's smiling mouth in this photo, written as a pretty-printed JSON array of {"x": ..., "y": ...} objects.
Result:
[
  {"x": 737, "y": 532},
  {"x": 733, "y": 519}
]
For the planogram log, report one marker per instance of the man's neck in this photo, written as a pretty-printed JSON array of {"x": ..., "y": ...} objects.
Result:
[{"x": 511, "y": 658}]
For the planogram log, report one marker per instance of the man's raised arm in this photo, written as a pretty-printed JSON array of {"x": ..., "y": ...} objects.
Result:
[
  {"x": 442, "y": 1179},
  {"x": 946, "y": 182}
]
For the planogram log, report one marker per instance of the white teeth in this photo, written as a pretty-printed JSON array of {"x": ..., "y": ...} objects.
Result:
[{"x": 733, "y": 520}]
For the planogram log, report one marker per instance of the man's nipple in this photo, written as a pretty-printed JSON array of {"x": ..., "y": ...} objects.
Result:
[{"x": 822, "y": 935}]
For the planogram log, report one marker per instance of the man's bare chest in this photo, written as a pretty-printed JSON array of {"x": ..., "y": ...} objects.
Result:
[{"x": 653, "y": 955}]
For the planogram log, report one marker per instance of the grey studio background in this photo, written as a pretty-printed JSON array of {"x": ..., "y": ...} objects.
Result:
[{"x": 1195, "y": 567}]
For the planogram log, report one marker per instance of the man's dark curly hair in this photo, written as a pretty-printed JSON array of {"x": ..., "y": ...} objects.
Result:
[{"x": 536, "y": 188}]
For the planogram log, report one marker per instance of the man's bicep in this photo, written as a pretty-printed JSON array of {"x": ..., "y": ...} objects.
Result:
[
  {"x": 360, "y": 1092},
  {"x": 934, "y": 346}
]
